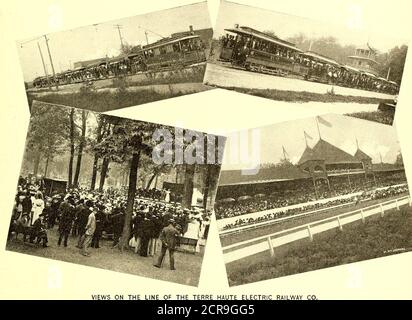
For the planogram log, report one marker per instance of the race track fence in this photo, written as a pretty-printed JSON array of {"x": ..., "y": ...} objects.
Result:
[{"x": 268, "y": 243}]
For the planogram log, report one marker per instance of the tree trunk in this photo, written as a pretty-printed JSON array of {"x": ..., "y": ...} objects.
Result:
[
  {"x": 188, "y": 185},
  {"x": 131, "y": 194},
  {"x": 80, "y": 151},
  {"x": 71, "y": 148},
  {"x": 151, "y": 180},
  {"x": 37, "y": 162},
  {"x": 103, "y": 173},
  {"x": 100, "y": 130},
  {"x": 46, "y": 166},
  {"x": 94, "y": 172},
  {"x": 207, "y": 185},
  {"x": 177, "y": 174}
]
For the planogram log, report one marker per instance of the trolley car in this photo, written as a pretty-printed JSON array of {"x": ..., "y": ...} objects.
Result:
[
  {"x": 169, "y": 53},
  {"x": 256, "y": 51}
]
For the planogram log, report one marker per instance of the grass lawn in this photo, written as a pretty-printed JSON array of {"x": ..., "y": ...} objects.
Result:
[
  {"x": 103, "y": 101},
  {"x": 377, "y": 116},
  {"x": 269, "y": 229},
  {"x": 304, "y": 96},
  {"x": 188, "y": 265},
  {"x": 377, "y": 237}
]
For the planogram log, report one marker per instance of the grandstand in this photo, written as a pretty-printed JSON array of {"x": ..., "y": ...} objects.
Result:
[{"x": 323, "y": 171}]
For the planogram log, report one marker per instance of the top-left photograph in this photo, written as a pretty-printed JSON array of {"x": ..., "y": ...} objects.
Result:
[{"x": 120, "y": 63}]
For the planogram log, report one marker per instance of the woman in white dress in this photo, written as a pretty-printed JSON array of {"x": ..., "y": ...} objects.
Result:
[
  {"x": 167, "y": 196},
  {"x": 38, "y": 206},
  {"x": 192, "y": 233}
]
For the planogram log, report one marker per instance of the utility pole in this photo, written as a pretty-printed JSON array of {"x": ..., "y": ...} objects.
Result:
[
  {"x": 51, "y": 60},
  {"x": 284, "y": 153},
  {"x": 147, "y": 39},
  {"x": 44, "y": 66},
  {"x": 118, "y": 27}
]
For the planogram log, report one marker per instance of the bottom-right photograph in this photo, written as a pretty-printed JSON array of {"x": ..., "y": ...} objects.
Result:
[{"x": 320, "y": 192}]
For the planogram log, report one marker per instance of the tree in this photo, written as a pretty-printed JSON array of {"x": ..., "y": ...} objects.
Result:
[
  {"x": 47, "y": 133},
  {"x": 326, "y": 46},
  {"x": 188, "y": 185},
  {"x": 103, "y": 172},
  {"x": 157, "y": 171},
  {"x": 126, "y": 142},
  {"x": 399, "y": 160},
  {"x": 271, "y": 33},
  {"x": 72, "y": 147},
  {"x": 126, "y": 48},
  {"x": 211, "y": 168},
  {"x": 394, "y": 62},
  {"x": 84, "y": 115},
  {"x": 99, "y": 133}
]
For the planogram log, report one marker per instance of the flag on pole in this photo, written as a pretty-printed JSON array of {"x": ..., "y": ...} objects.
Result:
[{"x": 324, "y": 122}]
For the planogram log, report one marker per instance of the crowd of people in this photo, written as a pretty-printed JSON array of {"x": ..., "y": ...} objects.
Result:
[
  {"x": 103, "y": 70},
  {"x": 367, "y": 195},
  {"x": 319, "y": 69},
  {"x": 121, "y": 66},
  {"x": 84, "y": 216},
  {"x": 302, "y": 192}
]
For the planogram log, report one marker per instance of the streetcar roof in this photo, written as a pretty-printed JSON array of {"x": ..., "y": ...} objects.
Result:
[
  {"x": 164, "y": 42},
  {"x": 321, "y": 57},
  {"x": 369, "y": 74},
  {"x": 132, "y": 55},
  {"x": 351, "y": 68},
  {"x": 363, "y": 58},
  {"x": 263, "y": 36}
]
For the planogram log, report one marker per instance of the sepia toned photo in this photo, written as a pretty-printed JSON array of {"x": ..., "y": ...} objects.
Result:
[
  {"x": 122, "y": 63},
  {"x": 114, "y": 193},
  {"x": 297, "y": 60},
  {"x": 313, "y": 193}
]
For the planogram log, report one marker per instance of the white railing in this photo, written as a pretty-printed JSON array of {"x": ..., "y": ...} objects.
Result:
[{"x": 250, "y": 247}]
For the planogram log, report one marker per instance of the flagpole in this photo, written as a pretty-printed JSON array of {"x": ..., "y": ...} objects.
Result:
[
  {"x": 306, "y": 139},
  {"x": 317, "y": 124}
]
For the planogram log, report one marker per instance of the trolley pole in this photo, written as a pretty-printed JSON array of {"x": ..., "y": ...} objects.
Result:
[
  {"x": 118, "y": 27},
  {"x": 44, "y": 66},
  {"x": 51, "y": 60}
]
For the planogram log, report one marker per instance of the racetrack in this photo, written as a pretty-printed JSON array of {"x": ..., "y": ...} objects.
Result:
[
  {"x": 226, "y": 76},
  {"x": 247, "y": 248}
]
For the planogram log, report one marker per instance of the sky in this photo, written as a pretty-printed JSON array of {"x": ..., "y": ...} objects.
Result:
[
  {"x": 285, "y": 25},
  {"x": 374, "y": 138},
  {"x": 101, "y": 39}
]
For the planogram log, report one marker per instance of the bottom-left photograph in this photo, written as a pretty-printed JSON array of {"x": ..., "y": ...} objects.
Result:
[{"x": 114, "y": 193}]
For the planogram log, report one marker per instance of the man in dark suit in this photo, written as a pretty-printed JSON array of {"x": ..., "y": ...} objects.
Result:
[
  {"x": 39, "y": 231},
  {"x": 83, "y": 213},
  {"x": 145, "y": 232},
  {"x": 66, "y": 219},
  {"x": 168, "y": 236}
]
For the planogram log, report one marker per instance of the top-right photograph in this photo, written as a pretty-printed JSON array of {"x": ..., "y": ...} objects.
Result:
[{"x": 282, "y": 57}]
